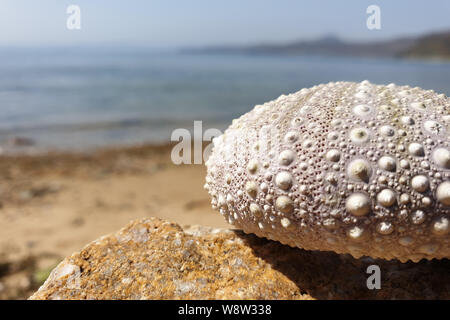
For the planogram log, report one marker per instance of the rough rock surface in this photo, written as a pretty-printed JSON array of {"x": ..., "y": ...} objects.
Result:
[{"x": 154, "y": 259}]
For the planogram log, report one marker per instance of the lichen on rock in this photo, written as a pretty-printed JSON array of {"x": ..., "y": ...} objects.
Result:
[{"x": 155, "y": 259}]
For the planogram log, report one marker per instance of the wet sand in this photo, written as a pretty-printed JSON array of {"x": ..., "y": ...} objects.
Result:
[{"x": 55, "y": 203}]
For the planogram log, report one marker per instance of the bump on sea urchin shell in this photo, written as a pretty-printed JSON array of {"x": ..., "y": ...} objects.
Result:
[{"x": 348, "y": 167}]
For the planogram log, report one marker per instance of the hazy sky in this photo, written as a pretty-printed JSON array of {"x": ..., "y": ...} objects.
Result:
[{"x": 209, "y": 22}]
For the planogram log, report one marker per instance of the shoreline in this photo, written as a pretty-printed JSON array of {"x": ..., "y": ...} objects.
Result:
[{"x": 93, "y": 139}]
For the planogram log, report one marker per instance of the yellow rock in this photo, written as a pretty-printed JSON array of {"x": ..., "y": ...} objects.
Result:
[{"x": 155, "y": 259}]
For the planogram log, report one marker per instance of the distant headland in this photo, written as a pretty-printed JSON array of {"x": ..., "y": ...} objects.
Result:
[{"x": 430, "y": 46}]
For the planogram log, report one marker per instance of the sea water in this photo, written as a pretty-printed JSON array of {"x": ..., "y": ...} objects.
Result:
[{"x": 81, "y": 98}]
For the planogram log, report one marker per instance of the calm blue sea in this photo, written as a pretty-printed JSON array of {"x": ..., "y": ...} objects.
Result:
[{"x": 91, "y": 97}]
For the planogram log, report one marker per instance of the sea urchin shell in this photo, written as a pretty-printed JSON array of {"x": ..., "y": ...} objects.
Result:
[{"x": 347, "y": 167}]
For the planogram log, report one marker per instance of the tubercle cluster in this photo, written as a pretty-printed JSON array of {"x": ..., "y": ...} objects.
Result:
[{"x": 352, "y": 167}]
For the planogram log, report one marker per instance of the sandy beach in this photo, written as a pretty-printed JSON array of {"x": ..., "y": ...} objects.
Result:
[{"x": 55, "y": 203}]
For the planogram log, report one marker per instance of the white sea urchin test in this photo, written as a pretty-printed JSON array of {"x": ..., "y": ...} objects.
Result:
[{"x": 352, "y": 168}]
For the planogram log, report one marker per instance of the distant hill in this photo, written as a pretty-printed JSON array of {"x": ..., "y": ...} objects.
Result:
[
  {"x": 435, "y": 45},
  {"x": 429, "y": 46}
]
